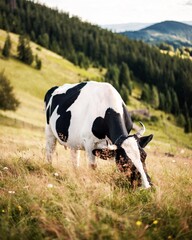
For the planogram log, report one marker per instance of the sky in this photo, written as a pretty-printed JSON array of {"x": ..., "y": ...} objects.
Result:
[{"x": 102, "y": 12}]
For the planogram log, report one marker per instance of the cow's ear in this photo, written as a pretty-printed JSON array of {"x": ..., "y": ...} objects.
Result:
[
  {"x": 143, "y": 141},
  {"x": 104, "y": 153}
]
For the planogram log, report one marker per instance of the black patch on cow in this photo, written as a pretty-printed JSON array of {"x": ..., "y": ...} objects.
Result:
[
  {"x": 46, "y": 100},
  {"x": 120, "y": 140},
  {"x": 99, "y": 128},
  {"x": 112, "y": 126},
  {"x": 63, "y": 102},
  {"x": 127, "y": 119},
  {"x": 143, "y": 141}
]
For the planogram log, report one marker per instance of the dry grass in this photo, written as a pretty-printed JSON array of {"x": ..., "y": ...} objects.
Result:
[
  {"x": 61, "y": 202},
  {"x": 39, "y": 201}
]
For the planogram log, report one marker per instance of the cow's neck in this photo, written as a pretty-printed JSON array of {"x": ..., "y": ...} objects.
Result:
[{"x": 116, "y": 126}]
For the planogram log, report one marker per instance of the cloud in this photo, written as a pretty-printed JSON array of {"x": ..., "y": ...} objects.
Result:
[{"x": 189, "y": 3}]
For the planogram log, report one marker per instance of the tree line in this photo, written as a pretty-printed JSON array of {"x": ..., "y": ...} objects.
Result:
[
  {"x": 8, "y": 101},
  {"x": 24, "y": 51},
  {"x": 85, "y": 44}
]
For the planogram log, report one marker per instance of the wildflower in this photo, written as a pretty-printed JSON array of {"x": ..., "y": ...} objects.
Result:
[
  {"x": 19, "y": 208},
  {"x": 5, "y": 168},
  {"x": 56, "y": 174},
  {"x": 173, "y": 161},
  {"x": 50, "y": 185},
  {"x": 169, "y": 237},
  {"x": 2, "y": 210},
  {"x": 138, "y": 223},
  {"x": 155, "y": 222},
  {"x": 11, "y": 192}
]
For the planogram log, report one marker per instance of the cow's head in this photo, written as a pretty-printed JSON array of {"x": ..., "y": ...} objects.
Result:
[{"x": 129, "y": 155}]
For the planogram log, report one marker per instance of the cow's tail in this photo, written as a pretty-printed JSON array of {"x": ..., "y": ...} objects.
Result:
[{"x": 47, "y": 99}]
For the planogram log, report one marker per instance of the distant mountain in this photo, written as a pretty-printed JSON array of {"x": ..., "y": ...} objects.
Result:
[
  {"x": 122, "y": 27},
  {"x": 171, "y": 32}
]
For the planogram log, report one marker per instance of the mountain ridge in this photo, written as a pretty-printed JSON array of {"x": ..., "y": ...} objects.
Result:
[
  {"x": 132, "y": 26},
  {"x": 172, "y": 32}
]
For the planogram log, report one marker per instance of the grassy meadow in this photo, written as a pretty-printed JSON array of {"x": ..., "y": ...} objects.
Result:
[{"x": 39, "y": 201}]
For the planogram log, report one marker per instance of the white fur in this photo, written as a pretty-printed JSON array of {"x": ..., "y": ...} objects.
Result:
[
  {"x": 131, "y": 148},
  {"x": 92, "y": 102}
]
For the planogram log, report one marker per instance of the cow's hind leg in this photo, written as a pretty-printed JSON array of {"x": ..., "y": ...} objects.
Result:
[{"x": 50, "y": 143}]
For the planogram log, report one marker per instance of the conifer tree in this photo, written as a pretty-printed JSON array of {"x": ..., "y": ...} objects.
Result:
[
  {"x": 112, "y": 76},
  {"x": 38, "y": 63},
  {"x": 168, "y": 102},
  {"x": 124, "y": 77},
  {"x": 24, "y": 50},
  {"x": 181, "y": 120},
  {"x": 7, "y": 98},
  {"x": 162, "y": 101},
  {"x": 7, "y": 47},
  {"x": 154, "y": 97},
  {"x": 187, "y": 127},
  {"x": 175, "y": 103},
  {"x": 124, "y": 92},
  {"x": 146, "y": 93}
]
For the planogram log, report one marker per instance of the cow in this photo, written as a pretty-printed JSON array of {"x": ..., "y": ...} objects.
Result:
[{"x": 92, "y": 116}]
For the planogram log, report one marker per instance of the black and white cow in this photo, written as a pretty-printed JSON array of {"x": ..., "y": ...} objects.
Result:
[{"x": 92, "y": 116}]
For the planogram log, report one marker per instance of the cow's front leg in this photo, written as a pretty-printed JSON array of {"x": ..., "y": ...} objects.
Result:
[
  {"x": 89, "y": 146},
  {"x": 91, "y": 159},
  {"x": 75, "y": 157},
  {"x": 50, "y": 143}
]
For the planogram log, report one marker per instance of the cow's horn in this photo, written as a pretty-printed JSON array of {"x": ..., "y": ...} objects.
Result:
[{"x": 141, "y": 130}]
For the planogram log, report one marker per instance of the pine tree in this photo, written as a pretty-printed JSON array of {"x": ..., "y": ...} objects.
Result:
[
  {"x": 7, "y": 98},
  {"x": 162, "y": 101},
  {"x": 146, "y": 93},
  {"x": 112, "y": 76},
  {"x": 24, "y": 50},
  {"x": 21, "y": 48},
  {"x": 154, "y": 97},
  {"x": 7, "y": 47},
  {"x": 124, "y": 77},
  {"x": 187, "y": 127},
  {"x": 181, "y": 120},
  {"x": 124, "y": 92},
  {"x": 38, "y": 63},
  {"x": 28, "y": 53},
  {"x": 175, "y": 103},
  {"x": 168, "y": 102}
]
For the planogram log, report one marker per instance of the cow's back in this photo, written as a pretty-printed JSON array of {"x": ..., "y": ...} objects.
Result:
[
  {"x": 95, "y": 98},
  {"x": 74, "y": 107}
]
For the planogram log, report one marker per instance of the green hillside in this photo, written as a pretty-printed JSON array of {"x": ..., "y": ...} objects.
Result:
[
  {"x": 88, "y": 45},
  {"x": 30, "y": 85},
  {"x": 38, "y": 201}
]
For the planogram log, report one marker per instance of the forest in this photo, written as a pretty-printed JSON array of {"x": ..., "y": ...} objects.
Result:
[{"x": 84, "y": 44}]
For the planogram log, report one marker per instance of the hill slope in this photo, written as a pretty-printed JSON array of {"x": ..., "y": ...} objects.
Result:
[
  {"x": 86, "y": 44},
  {"x": 172, "y": 32},
  {"x": 30, "y": 85},
  {"x": 61, "y": 202}
]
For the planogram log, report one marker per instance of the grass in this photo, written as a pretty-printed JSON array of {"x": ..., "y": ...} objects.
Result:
[{"x": 39, "y": 201}]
